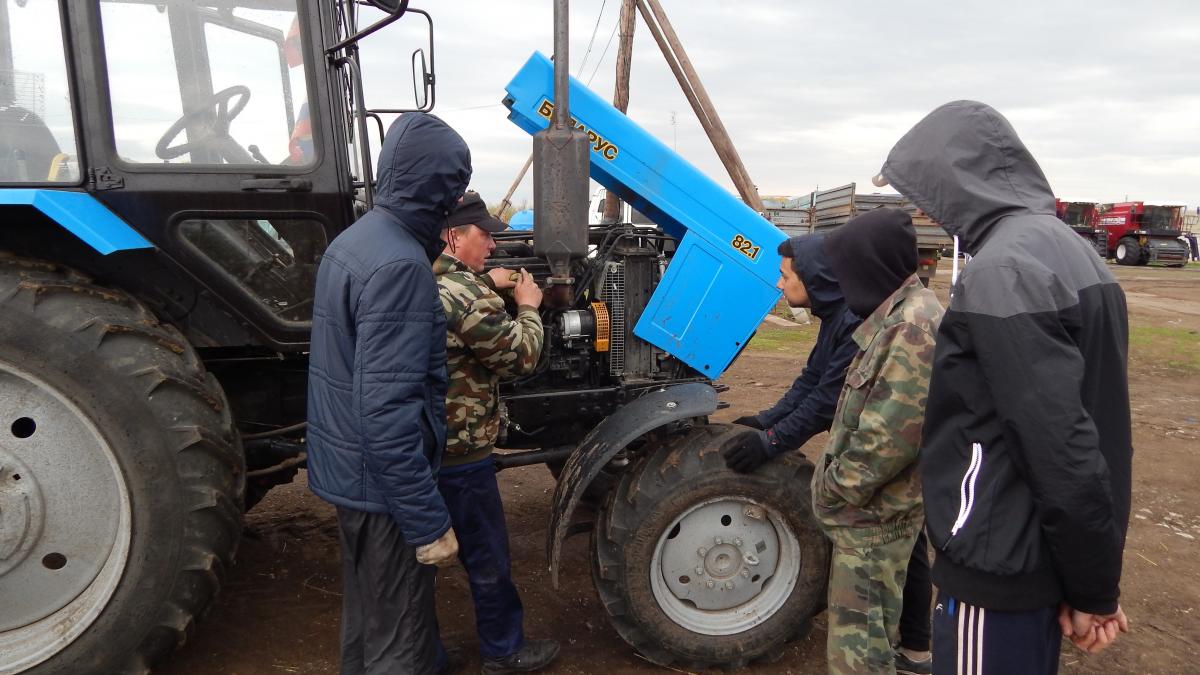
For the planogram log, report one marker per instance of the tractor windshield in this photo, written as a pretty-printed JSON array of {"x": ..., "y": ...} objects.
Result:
[
  {"x": 37, "y": 128},
  {"x": 207, "y": 82}
]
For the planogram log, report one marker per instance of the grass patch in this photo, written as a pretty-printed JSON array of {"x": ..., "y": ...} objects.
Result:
[
  {"x": 798, "y": 341},
  {"x": 1165, "y": 347}
]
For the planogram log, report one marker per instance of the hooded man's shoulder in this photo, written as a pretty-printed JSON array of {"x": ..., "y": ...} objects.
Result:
[
  {"x": 374, "y": 241},
  {"x": 1003, "y": 286},
  {"x": 923, "y": 310}
]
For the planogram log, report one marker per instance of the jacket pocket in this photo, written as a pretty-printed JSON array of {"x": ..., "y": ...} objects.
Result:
[
  {"x": 854, "y": 398},
  {"x": 966, "y": 490}
]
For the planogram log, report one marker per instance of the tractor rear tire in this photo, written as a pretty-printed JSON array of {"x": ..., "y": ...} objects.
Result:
[
  {"x": 743, "y": 551},
  {"x": 120, "y": 450}
]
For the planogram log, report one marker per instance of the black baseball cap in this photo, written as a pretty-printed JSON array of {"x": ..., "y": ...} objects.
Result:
[{"x": 472, "y": 211}]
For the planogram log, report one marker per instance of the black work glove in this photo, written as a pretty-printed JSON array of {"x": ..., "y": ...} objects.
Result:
[
  {"x": 749, "y": 421},
  {"x": 751, "y": 453}
]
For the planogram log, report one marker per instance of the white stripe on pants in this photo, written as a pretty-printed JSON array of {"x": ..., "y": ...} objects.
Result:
[{"x": 970, "y": 639}]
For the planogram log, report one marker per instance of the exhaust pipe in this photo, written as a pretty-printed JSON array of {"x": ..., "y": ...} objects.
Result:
[{"x": 560, "y": 171}]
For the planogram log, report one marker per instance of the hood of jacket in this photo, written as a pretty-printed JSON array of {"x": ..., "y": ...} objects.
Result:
[
  {"x": 808, "y": 260},
  {"x": 424, "y": 168},
  {"x": 872, "y": 255},
  {"x": 965, "y": 166}
]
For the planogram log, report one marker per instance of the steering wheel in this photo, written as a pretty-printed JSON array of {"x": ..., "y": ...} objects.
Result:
[{"x": 217, "y": 134}]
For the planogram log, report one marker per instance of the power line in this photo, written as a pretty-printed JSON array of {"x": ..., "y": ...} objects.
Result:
[
  {"x": 592, "y": 41},
  {"x": 605, "y": 53}
]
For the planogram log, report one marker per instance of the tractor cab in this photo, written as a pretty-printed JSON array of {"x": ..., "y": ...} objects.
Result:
[{"x": 229, "y": 137}]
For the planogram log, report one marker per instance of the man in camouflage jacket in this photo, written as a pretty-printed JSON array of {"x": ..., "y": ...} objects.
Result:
[
  {"x": 866, "y": 489},
  {"x": 483, "y": 345}
]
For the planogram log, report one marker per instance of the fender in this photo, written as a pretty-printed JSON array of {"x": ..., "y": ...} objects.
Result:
[
  {"x": 636, "y": 418},
  {"x": 80, "y": 214}
]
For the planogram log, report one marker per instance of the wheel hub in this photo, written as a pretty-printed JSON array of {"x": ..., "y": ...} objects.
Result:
[
  {"x": 723, "y": 561},
  {"x": 21, "y": 511},
  {"x": 719, "y": 555},
  {"x": 64, "y": 519}
]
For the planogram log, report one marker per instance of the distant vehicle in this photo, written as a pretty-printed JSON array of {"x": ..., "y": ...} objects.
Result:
[
  {"x": 1140, "y": 234},
  {"x": 1083, "y": 217},
  {"x": 832, "y": 208}
]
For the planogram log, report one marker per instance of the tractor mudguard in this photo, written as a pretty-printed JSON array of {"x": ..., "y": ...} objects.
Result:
[
  {"x": 80, "y": 214},
  {"x": 636, "y": 418}
]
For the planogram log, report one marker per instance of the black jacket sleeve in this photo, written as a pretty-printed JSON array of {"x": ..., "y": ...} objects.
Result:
[
  {"x": 1034, "y": 370},
  {"x": 801, "y": 387},
  {"x": 807, "y": 409}
]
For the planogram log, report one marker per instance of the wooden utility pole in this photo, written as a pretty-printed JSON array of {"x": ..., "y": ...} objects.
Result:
[
  {"x": 689, "y": 81},
  {"x": 612, "y": 203}
]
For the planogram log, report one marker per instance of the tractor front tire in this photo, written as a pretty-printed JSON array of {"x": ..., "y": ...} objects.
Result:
[
  {"x": 121, "y": 478},
  {"x": 1129, "y": 252},
  {"x": 698, "y": 566}
]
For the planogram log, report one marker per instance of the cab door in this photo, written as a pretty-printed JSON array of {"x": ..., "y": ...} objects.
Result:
[{"x": 217, "y": 144}]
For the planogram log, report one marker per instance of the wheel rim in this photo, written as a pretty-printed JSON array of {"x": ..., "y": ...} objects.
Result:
[
  {"x": 1122, "y": 252},
  {"x": 65, "y": 520},
  {"x": 724, "y": 566}
]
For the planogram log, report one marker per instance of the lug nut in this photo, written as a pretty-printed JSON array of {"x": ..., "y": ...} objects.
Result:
[
  {"x": 745, "y": 574},
  {"x": 729, "y": 585},
  {"x": 699, "y": 570},
  {"x": 710, "y": 583},
  {"x": 701, "y": 551},
  {"x": 737, "y": 542},
  {"x": 718, "y": 540}
]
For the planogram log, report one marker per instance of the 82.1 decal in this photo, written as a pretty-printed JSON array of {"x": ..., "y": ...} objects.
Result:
[{"x": 745, "y": 247}]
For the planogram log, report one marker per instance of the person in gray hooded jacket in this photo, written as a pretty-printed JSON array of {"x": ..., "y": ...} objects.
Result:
[{"x": 1026, "y": 449}]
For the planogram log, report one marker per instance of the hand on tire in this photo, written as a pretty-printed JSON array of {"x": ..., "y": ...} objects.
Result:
[
  {"x": 441, "y": 552},
  {"x": 751, "y": 453},
  {"x": 749, "y": 421}
]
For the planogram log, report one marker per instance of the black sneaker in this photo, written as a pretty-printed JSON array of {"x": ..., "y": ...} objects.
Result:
[
  {"x": 533, "y": 655},
  {"x": 907, "y": 666}
]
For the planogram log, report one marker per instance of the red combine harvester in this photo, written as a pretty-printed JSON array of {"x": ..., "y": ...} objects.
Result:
[
  {"x": 1082, "y": 217},
  {"x": 1139, "y": 234}
]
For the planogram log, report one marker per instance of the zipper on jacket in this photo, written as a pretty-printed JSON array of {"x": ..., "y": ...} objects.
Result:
[{"x": 967, "y": 488}]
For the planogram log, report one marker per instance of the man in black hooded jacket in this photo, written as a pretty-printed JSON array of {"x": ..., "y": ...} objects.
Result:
[
  {"x": 807, "y": 408},
  {"x": 1026, "y": 453}
]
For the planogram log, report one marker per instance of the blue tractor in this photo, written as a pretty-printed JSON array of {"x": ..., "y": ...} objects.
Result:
[{"x": 171, "y": 172}]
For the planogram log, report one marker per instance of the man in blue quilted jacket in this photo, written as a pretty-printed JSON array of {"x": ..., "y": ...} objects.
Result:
[{"x": 377, "y": 397}]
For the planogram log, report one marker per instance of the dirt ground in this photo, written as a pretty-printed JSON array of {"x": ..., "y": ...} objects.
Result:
[{"x": 278, "y": 612}]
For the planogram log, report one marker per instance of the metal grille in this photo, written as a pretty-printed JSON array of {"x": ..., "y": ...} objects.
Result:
[
  {"x": 27, "y": 90},
  {"x": 612, "y": 293}
]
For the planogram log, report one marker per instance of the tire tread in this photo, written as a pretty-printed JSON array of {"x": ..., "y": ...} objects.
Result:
[{"x": 186, "y": 402}]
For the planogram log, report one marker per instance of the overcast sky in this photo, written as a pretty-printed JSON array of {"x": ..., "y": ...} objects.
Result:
[{"x": 1105, "y": 93}]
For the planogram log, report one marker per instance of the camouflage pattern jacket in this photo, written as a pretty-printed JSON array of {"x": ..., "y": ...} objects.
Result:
[
  {"x": 866, "y": 489},
  {"x": 483, "y": 345}
]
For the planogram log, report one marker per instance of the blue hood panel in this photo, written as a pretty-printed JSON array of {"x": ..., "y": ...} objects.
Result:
[{"x": 721, "y": 282}]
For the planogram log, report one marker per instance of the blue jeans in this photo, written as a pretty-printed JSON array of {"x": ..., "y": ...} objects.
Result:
[{"x": 473, "y": 499}]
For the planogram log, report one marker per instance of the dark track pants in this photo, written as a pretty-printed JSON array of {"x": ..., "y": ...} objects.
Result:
[
  {"x": 473, "y": 499},
  {"x": 918, "y": 596},
  {"x": 971, "y": 640},
  {"x": 389, "y": 622}
]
